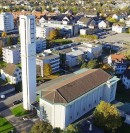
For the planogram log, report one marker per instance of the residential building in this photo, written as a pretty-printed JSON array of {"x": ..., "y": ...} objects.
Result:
[
  {"x": 118, "y": 62},
  {"x": 126, "y": 79},
  {"x": 48, "y": 58},
  {"x": 102, "y": 24},
  {"x": 74, "y": 58},
  {"x": 11, "y": 73},
  {"x": 28, "y": 59},
  {"x": 68, "y": 100},
  {"x": 43, "y": 31},
  {"x": 11, "y": 54},
  {"x": 40, "y": 45},
  {"x": 66, "y": 29},
  {"x": 127, "y": 22},
  {"x": 118, "y": 28},
  {"x": 6, "y": 21},
  {"x": 92, "y": 50}
]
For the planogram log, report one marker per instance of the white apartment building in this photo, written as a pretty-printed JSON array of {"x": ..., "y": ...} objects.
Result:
[
  {"x": 43, "y": 31},
  {"x": 67, "y": 101},
  {"x": 48, "y": 58},
  {"x": 40, "y": 44},
  {"x": 6, "y": 21},
  {"x": 28, "y": 59},
  {"x": 11, "y": 54},
  {"x": 74, "y": 58},
  {"x": 92, "y": 50},
  {"x": 69, "y": 29},
  {"x": 12, "y": 73}
]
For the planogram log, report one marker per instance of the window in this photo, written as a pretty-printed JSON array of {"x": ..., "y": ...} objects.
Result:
[
  {"x": 89, "y": 105},
  {"x": 95, "y": 101},
  {"x": 70, "y": 117},
  {"x": 77, "y": 113},
  {"x": 83, "y": 109}
]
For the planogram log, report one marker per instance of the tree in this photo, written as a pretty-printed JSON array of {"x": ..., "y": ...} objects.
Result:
[
  {"x": 0, "y": 52},
  {"x": 53, "y": 34},
  {"x": 41, "y": 127},
  {"x": 47, "y": 70},
  {"x": 10, "y": 41},
  {"x": 84, "y": 65},
  {"x": 92, "y": 64},
  {"x": 4, "y": 34},
  {"x": 107, "y": 116},
  {"x": 71, "y": 129},
  {"x": 57, "y": 130}
]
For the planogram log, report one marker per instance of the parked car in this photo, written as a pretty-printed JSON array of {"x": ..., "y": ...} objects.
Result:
[
  {"x": 17, "y": 102},
  {"x": 2, "y": 96}
]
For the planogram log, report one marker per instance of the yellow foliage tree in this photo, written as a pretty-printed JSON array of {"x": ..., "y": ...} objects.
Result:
[
  {"x": 53, "y": 34},
  {"x": 47, "y": 70},
  {"x": 107, "y": 116},
  {"x": 4, "y": 34}
]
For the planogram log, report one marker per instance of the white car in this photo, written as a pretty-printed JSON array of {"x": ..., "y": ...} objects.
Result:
[{"x": 2, "y": 96}]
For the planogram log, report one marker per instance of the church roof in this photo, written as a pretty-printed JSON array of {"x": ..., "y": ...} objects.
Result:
[{"x": 80, "y": 84}]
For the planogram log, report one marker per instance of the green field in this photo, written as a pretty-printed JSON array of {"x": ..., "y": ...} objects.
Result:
[
  {"x": 19, "y": 111},
  {"x": 5, "y": 126}
]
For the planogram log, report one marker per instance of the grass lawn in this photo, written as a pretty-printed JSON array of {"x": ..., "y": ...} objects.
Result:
[
  {"x": 5, "y": 126},
  {"x": 62, "y": 41},
  {"x": 122, "y": 94},
  {"x": 19, "y": 111}
]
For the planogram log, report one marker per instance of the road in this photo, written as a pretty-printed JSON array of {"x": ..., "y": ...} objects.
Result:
[{"x": 8, "y": 102}]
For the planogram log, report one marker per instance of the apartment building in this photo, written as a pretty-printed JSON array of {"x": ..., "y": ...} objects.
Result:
[
  {"x": 40, "y": 44},
  {"x": 11, "y": 54},
  {"x": 48, "y": 58},
  {"x": 6, "y": 21},
  {"x": 43, "y": 31}
]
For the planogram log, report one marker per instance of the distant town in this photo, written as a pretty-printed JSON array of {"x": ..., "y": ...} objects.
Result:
[{"x": 64, "y": 66}]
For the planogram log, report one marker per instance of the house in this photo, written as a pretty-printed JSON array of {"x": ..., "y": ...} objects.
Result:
[
  {"x": 118, "y": 62},
  {"x": 6, "y": 88},
  {"x": 127, "y": 22},
  {"x": 103, "y": 24},
  {"x": 84, "y": 22},
  {"x": 68, "y": 100},
  {"x": 12, "y": 73},
  {"x": 117, "y": 16},
  {"x": 48, "y": 58},
  {"x": 126, "y": 79},
  {"x": 119, "y": 28}
]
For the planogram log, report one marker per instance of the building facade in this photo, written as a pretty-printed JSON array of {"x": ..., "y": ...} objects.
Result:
[
  {"x": 6, "y": 21},
  {"x": 11, "y": 54},
  {"x": 11, "y": 73},
  {"x": 40, "y": 45},
  {"x": 28, "y": 59},
  {"x": 45, "y": 58},
  {"x": 67, "y": 101}
]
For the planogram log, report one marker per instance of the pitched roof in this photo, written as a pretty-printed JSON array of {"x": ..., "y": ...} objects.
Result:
[
  {"x": 80, "y": 84},
  {"x": 10, "y": 68},
  {"x": 85, "y": 20},
  {"x": 118, "y": 57}
]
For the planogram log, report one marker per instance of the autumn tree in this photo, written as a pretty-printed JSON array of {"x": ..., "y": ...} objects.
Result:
[
  {"x": 41, "y": 127},
  {"x": 92, "y": 64},
  {"x": 107, "y": 116},
  {"x": 4, "y": 34},
  {"x": 47, "y": 70},
  {"x": 53, "y": 34},
  {"x": 84, "y": 65},
  {"x": 71, "y": 129}
]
